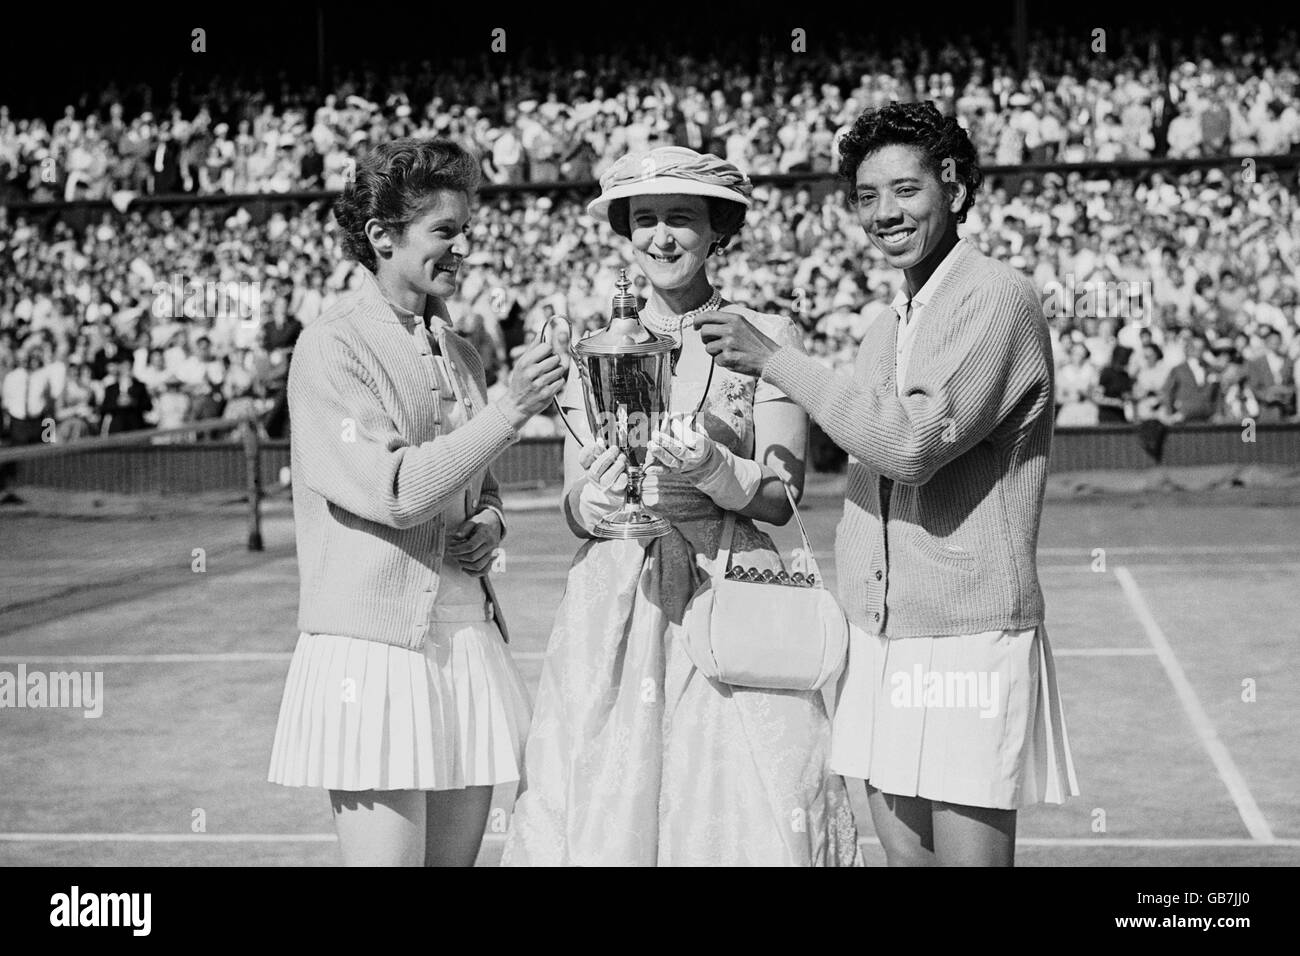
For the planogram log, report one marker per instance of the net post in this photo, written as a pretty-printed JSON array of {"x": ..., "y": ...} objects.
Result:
[{"x": 253, "y": 471}]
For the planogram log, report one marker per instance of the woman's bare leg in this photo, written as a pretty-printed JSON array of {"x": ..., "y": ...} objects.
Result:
[
  {"x": 454, "y": 824},
  {"x": 974, "y": 836},
  {"x": 380, "y": 827},
  {"x": 904, "y": 827}
]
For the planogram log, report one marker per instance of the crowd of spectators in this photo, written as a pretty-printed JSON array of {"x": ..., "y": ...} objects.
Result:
[
  {"x": 94, "y": 337},
  {"x": 155, "y": 321},
  {"x": 1139, "y": 96}
]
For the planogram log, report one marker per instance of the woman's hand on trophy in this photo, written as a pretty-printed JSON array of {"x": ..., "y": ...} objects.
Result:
[
  {"x": 603, "y": 492},
  {"x": 606, "y": 467},
  {"x": 474, "y": 543},
  {"x": 681, "y": 447},
  {"x": 731, "y": 481},
  {"x": 538, "y": 377}
]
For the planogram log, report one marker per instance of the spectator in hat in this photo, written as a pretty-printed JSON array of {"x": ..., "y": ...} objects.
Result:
[
  {"x": 75, "y": 408},
  {"x": 165, "y": 164},
  {"x": 311, "y": 167},
  {"x": 1192, "y": 390},
  {"x": 1216, "y": 125},
  {"x": 1184, "y": 134},
  {"x": 1114, "y": 388},
  {"x": 1076, "y": 384},
  {"x": 126, "y": 401},
  {"x": 28, "y": 399},
  {"x": 508, "y": 157},
  {"x": 1271, "y": 378},
  {"x": 1238, "y": 401},
  {"x": 172, "y": 408},
  {"x": 1149, "y": 383}
]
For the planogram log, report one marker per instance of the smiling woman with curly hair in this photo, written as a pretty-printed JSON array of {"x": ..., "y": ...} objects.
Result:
[
  {"x": 401, "y": 699},
  {"x": 948, "y": 705}
]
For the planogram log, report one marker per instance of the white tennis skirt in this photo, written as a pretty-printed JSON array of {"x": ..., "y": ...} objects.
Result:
[
  {"x": 362, "y": 715},
  {"x": 973, "y": 720}
]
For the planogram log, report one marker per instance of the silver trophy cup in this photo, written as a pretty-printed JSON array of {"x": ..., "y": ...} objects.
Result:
[{"x": 626, "y": 372}]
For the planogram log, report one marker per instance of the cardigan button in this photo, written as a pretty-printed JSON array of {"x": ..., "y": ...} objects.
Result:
[
  {"x": 876, "y": 616},
  {"x": 879, "y": 574}
]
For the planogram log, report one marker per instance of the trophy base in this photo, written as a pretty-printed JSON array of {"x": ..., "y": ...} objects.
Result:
[{"x": 632, "y": 523}]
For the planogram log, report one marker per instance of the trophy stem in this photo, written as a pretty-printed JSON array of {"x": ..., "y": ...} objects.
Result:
[
  {"x": 635, "y": 475},
  {"x": 633, "y": 520}
]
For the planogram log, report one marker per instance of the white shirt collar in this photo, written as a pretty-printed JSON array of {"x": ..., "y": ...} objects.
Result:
[{"x": 927, "y": 291}]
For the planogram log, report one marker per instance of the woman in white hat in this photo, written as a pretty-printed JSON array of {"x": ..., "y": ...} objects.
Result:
[{"x": 636, "y": 758}]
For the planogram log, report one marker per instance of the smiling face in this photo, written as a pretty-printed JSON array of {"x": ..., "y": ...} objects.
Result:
[
  {"x": 427, "y": 255},
  {"x": 671, "y": 237},
  {"x": 903, "y": 206}
]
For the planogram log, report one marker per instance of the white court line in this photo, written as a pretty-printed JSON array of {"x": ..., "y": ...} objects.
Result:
[
  {"x": 1103, "y": 652},
  {"x": 1064, "y": 842},
  {"x": 232, "y": 657},
  {"x": 168, "y": 838},
  {"x": 1107, "y": 842},
  {"x": 1177, "y": 549},
  {"x": 218, "y": 658},
  {"x": 1223, "y": 762},
  {"x": 1157, "y": 843},
  {"x": 532, "y": 566},
  {"x": 1190, "y": 567},
  {"x": 1082, "y": 553},
  {"x": 280, "y": 657}
]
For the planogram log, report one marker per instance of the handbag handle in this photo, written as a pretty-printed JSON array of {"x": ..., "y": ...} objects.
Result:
[{"x": 723, "y": 563}]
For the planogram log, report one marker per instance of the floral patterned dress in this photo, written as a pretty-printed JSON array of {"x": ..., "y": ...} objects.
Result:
[{"x": 634, "y": 757}]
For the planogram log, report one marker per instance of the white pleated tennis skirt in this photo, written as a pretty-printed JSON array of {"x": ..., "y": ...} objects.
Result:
[
  {"x": 973, "y": 720},
  {"x": 362, "y": 715}
]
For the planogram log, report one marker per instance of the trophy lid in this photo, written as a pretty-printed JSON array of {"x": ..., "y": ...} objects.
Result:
[{"x": 625, "y": 335}]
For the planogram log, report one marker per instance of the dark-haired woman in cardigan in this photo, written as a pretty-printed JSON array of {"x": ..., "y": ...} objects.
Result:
[
  {"x": 401, "y": 698},
  {"x": 948, "y": 706}
]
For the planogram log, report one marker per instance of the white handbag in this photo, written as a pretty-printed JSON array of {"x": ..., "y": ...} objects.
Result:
[{"x": 770, "y": 630}]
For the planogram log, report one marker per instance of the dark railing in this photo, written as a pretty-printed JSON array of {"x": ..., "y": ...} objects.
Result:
[
  {"x": 199, "y": 467},
  {"x": 138, "y": 462},
  {"x": 1097, "y": 447}
]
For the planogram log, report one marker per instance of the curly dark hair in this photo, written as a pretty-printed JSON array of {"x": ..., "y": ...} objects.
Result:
[
  {"x": 921, "y": 125},
  {"x": 393, "y": 185},
  {"x": 725, "y": 219}
]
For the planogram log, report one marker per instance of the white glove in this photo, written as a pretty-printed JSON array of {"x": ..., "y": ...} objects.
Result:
[
  {"x": 602, "y": 491},
  {"x": 729, "y": 480}
]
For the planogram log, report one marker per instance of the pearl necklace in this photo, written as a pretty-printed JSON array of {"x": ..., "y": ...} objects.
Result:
[{"x": 673, "y": 324}]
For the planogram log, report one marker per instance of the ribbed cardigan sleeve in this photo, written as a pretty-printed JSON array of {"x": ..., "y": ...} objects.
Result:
[
  {"x": 350, "y": 451},
  {"x": 955, "y": 399}
]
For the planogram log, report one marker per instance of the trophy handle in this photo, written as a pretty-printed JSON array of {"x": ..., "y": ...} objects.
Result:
[{"x": 573, "y": 356}]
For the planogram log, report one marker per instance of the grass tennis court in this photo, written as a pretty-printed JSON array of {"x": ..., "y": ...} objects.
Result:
[{"x": 1189, "y": 607}]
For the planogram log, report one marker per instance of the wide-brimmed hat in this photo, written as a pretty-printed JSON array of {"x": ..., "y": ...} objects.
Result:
[{"x": 666, "y": 171}]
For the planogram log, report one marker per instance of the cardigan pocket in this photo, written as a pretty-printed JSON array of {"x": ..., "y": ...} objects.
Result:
[{"x": 937, "y": 550}]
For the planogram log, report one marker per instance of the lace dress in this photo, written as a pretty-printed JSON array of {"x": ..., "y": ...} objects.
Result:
[{"x": 634, "y": 757}]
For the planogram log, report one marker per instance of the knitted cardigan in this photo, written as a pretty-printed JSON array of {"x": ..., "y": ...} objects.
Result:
[
  {"x": 372, "y": 471},
  {"x": 945, "y": 482}
]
